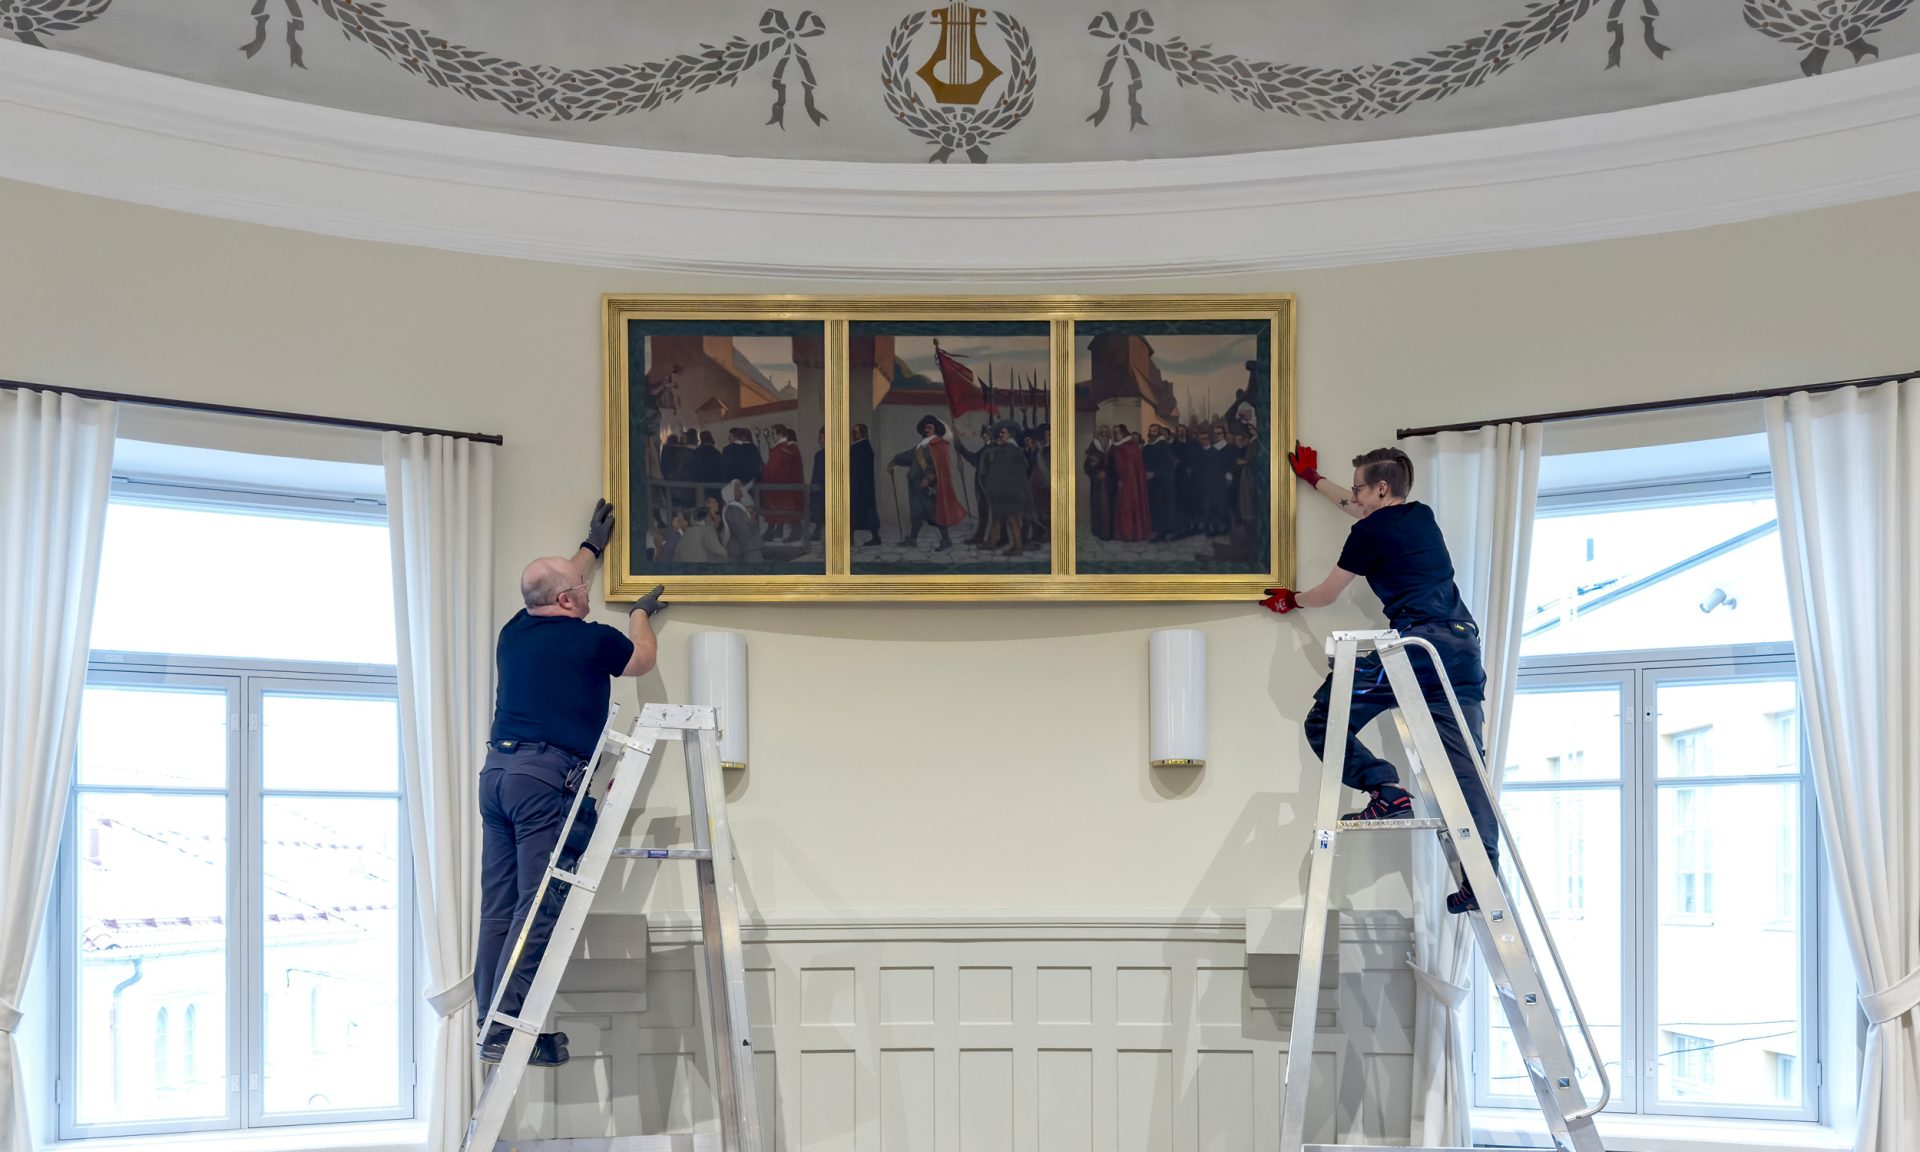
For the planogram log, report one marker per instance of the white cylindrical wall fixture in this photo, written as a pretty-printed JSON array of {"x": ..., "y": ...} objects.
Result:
[
  {"x": 1177, "y": 698},
  {"x": 718, "y": 665}
]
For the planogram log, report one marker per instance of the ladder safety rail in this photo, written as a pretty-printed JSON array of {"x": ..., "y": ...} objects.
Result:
[
  {"x": 1526, "y": 881},
  {"x": 1504, "y": 941},
  {"x": 730, "y": 1035}
]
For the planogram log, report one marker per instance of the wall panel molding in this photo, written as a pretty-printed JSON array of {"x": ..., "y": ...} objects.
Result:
[
  {"x": 961, "y": 1032},
  {"x": 78, "y": 124}
]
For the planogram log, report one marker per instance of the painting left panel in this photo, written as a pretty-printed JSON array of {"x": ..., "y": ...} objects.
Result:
[{"x": 726, "y": 447}]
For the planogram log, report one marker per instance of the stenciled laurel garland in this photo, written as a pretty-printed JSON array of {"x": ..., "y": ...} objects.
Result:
[
  {"x": 536, "y": 91},
  {"x": 1365, "y": 92},
  {"x": 30, "y": 20},
  {"x": 953, "y": 130},
  {"x": 1820, "y": 28}
]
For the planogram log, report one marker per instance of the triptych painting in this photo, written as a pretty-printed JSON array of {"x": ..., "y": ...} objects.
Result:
[{"x": 955, "y": 448}]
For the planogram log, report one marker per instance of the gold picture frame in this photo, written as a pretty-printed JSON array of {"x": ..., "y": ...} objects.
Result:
[{"x": 824, "y": 383}]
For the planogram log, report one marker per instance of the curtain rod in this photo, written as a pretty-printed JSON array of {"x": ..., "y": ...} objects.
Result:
[
  {"x": 236, "y": 410},
  {"x": 1659, "y": 405}
]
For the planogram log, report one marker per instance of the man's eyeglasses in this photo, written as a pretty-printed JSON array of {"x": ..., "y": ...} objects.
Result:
[{"x": 564, "y": 591}]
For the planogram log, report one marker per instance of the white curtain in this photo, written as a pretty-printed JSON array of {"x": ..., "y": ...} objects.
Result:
[
  {"x": 1846, "y": 474},
  {"x": 440, "y": 514},
  {"x": 1481, "y": 486},
  {"x": 56, "y": 453}
]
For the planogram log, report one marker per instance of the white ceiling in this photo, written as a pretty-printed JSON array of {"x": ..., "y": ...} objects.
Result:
[
  {"x": 1080, "y": 80},
  {"x": 72, "y": 122}
]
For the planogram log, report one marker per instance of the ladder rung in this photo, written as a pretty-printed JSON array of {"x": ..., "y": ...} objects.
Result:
[
  {"x": 573, "y": 879},
  {"x": 664, "y": 853},
  {"x": 1390, "y": 825},
  {"x": 513, "y": 1022}
]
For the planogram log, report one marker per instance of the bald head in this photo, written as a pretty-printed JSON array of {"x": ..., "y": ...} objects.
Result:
[{"x": 545, "y": 579}]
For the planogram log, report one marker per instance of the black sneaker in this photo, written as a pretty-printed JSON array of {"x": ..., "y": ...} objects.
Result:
[
  {"x": 495, "y": 1046},
  {"x": 1390, "y": 802},
  {"x": 1462, "y": 900},
  {"x": 549, "y": 1051}
]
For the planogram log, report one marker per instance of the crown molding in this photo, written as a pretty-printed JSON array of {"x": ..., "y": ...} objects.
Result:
[{"x": 105, "y": 130}]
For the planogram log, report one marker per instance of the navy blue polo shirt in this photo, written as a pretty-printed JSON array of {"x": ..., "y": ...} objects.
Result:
[
  {"x": 554, "y": 680},
  {"x": 1404, "y": 558}
]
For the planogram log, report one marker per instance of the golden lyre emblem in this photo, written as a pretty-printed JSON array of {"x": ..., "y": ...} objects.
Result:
[{"x": 958, "y": 72}]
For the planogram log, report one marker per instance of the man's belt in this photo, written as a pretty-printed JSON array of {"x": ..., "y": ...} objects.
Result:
[{"x": 515, "y": 745}]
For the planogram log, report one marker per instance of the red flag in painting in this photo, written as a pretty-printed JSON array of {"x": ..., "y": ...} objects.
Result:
[{"x": 963, "y": 390}]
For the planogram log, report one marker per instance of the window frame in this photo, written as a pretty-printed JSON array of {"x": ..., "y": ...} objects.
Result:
[
  {"x": 66, "y": 1085},
  {"x": 1638, "y": 675},
  {"x": 1626, "y": 1089},
  {"x": 330, "y": 684},
  {"x": 1728, "y": 668},
  {"x": 244, "y": 682}
]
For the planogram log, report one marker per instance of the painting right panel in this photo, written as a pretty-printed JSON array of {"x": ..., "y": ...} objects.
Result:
[{"x": 1173, "y": 435}]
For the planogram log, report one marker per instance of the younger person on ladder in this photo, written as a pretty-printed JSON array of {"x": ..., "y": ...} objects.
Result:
[{"x": 1397, "y": 546}]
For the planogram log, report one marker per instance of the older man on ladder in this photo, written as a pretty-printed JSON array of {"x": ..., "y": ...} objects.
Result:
[{"x": 555, "y": 675}]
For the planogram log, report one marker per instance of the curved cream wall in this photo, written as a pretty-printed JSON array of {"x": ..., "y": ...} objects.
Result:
[{"x": 947, "y": 757}]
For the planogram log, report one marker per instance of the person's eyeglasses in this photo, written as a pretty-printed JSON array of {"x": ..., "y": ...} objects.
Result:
[{"x": 564, "y": 591}]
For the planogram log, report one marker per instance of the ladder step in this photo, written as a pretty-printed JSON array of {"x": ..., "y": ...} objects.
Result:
[
  {"x": 1390, "y": 825},
  {"x": 513, "y": 1022},
  {"x": 664, "y": 853},
  {"x": 569, "y": 878}
]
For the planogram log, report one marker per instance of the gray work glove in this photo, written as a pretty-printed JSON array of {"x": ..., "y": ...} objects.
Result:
[
  {"x": 651, "y": 603},
  {"x": 599, "y": 528}
]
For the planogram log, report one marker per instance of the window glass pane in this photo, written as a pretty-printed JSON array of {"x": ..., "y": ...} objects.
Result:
[
  {"x": 1564, "y": 734},
  {"x": 153, "y": 737},
  {"x": 206, "y": 582},
  {"x": 331, "y": 897},
  {"x": 1729, "y": 728},
  {"x": 1729, "y": 944},
  {"x": 1682, "y": 576},
  {"x": 1570, "y": 841},
  {"x": 330, "y": 743},
  {"x": 151, "y": 987}
]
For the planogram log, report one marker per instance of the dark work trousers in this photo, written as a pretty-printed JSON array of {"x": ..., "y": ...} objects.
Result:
[
  {"x": 523, "y": 805},
  {"x": 1459, "y": 648}
]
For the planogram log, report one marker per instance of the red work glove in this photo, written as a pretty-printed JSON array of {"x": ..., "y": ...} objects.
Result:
[
  {"x": 1305, "y": 463},
  {"x": 1281, "y": 600}
]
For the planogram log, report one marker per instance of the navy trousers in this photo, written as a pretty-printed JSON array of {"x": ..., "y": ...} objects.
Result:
[
  {"x": 1459, "y": 648},
  {"x": 523, "y": 805}
]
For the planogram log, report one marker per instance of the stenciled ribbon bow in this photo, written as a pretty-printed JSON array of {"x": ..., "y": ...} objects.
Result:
[
  {"x": 773, "y": 23},
  {"x": 1106, "y": 26}
]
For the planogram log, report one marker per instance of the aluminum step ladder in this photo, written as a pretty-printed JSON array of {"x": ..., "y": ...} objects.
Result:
[
  {"x": 1506, "y": 945},
  {"x": 712, "y": 852}
]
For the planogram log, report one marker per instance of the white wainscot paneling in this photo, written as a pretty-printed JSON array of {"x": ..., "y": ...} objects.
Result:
[{"x": 972, "y": 1036}]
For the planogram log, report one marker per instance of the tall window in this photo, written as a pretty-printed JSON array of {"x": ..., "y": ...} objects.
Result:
[
  {"x": 234, "y": 848},
  {"x": 1655, "y": 757}
]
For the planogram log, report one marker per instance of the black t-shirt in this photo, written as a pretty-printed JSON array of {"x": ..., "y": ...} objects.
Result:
[
  {"x": 1401, "y": 553},
  {"x": 554, "y": 685}
]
